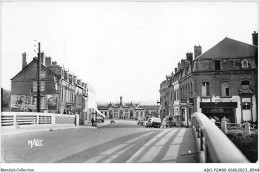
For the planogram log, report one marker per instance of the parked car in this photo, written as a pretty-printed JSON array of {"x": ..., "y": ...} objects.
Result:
[
  {"x": 141, "y": 121},
  {"x": 154, "y": 122}
]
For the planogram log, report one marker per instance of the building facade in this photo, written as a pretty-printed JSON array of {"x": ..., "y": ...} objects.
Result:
[
  {"x": 128, "y": 110},
  {"x": 220, "y": 82},
  {"x": 61, "y": 91}
]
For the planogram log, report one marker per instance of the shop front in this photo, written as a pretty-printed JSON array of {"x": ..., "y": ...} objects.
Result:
[{"x": 218, "y": 110}]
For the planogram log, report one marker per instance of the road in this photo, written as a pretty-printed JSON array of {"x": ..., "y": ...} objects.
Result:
[{"x": 122, "y": 142}]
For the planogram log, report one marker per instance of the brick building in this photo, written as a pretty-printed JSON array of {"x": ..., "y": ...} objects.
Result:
[
  {"x": 61, "y": 91},
  {"x": 220, "y": 82}
]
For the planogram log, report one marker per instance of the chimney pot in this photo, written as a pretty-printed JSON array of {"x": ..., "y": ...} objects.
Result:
[
  {"x": 48, "y": 61},
  {"x": 24, "y": 63},
  {"x": 255, "y": 38},
  {"x": 197, "y": 51},
  {"x": 189, "y": 56}
]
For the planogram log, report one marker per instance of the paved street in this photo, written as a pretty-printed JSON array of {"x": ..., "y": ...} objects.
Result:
[{"x": 122, "y": 142}]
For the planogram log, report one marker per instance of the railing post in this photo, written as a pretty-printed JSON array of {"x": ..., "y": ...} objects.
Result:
[
  {"x": 247, "y": 128},
  {"x": 224, "y": 126},
  {"x": 37, "y": 119},
  {"x": 14, "y": 119},
  {"x": 77, "y": 119},
  {"x": 53, "y": 119}
]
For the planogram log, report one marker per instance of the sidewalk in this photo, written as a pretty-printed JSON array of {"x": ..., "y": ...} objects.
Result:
[{"x": 28, "y": 129}]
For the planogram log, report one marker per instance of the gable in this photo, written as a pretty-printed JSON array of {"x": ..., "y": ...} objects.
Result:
[{"x": 29, "y": 72}]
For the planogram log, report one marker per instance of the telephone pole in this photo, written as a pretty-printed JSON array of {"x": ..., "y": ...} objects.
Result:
[{"x": 39, "y": 79}]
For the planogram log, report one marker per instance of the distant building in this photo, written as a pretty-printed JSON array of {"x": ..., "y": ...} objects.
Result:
[
  {"x": 128, "y": 110},
  {"x": 223, "y": 81},
  {"x": 5, "y": 100},
  {"x": 61, "y": 91}
]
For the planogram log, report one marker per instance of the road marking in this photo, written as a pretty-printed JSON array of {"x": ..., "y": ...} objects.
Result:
[
  {"x": 181, "y": 133},
  {"x": 116, "y": 148},
  {"x": 111, "y": 150},
  {"x": 133, "y": 158},
  {"x": 151, "y": 154},
  {"x": 177, "y": 140},
  {"x": 137, "y": 138},
  {"x": 108, "y": 160},
  {"x": 94, "y": 159},
  {"x": 172, "y": 153},
  {"x": 138, "y": 153},
  {"x": 122, "y": 151},
  {"x": 163, "y": 141}
]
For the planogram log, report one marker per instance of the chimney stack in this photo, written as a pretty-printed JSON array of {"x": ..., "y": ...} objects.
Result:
[
  {"x": 54, "y": 63},
  {"x": 48, "y": 61},
  {"x": 43, "y": 58},
  {"x": 189, "y": 56},
  {"x": 255, "y": 38},
  {"x": 197, "y": 51},
  {"x": 176, "y": 69},
  {"x": 24, "y": 63},
  {"x": 79, "y": 82},
  {"x": 179, "y": 66}
]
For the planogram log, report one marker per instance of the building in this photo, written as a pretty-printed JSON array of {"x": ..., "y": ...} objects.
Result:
[
  {"x": 128, "y": 110},
  {"x": 5, "y": 100},
  {"x": 61, "y": 91},
  {"x": 219, "y": 82}
]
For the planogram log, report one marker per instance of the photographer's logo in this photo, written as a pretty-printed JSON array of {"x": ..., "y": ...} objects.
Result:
[{"x": 36, "y": 143}]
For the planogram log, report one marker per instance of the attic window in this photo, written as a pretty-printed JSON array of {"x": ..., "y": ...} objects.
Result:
[{"x": 217, "y": 65}]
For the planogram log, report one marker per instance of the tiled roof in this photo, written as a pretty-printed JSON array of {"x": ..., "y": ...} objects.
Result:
[{"x": 229, "y": 48}]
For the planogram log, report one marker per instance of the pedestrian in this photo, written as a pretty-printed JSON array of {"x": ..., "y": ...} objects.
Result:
[
  {"x": 164, "y": 123},
  {"x": 92, "y": 121}
]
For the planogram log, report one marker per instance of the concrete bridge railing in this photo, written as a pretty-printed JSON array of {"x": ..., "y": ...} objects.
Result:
[
  {"x": 213, "y": 144},
  {"x": 25, "y": 119}
]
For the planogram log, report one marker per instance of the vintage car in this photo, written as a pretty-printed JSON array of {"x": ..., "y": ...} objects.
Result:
[{"x": 154, "y": 122}]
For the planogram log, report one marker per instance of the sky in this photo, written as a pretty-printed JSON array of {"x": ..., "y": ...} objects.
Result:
[{"x": 122, "y": 48}]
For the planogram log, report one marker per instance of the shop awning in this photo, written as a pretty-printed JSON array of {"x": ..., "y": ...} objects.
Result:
[{"x": 99, "y": 113}]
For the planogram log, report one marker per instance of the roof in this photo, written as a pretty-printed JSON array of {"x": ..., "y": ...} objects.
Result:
[
  {"x": 229, "y": 48},
  {"x": 150, "y": 107},
  {"x": 30, "y": 64}
]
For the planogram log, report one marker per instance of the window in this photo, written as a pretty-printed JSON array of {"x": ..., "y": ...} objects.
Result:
[
  {"x": 42, "y": 86},
  {"x": 43, "y": 74},
  {"x": 225, "y": 88},
  {"x": 61, "y": 94},
  {"x": 245, "y": 84},
  {"x": 205, "y": 89},
  {"x": 217, "y": 65}
]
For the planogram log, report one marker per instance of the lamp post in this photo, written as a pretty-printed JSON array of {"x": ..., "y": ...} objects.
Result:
[{"x": 158, "y": 108}]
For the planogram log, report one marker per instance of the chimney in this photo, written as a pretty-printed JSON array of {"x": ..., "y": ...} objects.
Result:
[
  {"x": 48, "y": 61},
  {"x": 121, "y": 100},
  {"x": 79, "y": 82},
  {"x": 176, "y": 69},
  {"x": 197, "y": 51},
  {"x": 24, "y": 63},
  {"x": 179, "y": 66},
  {"x": 43, "y": 58},
  {"x": 255, "y": 38},
  {"x": 54, "y": 63},
  {"x": 189, "y": 56}
]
